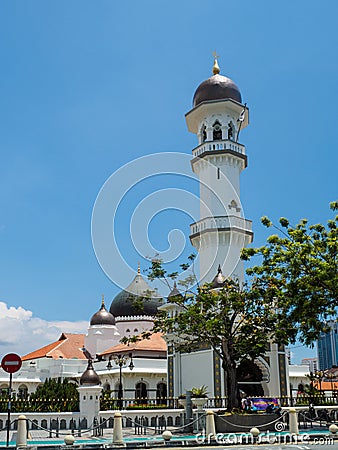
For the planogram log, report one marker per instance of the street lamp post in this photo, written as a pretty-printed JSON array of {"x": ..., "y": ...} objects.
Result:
[{"x": 121, "y": 361}]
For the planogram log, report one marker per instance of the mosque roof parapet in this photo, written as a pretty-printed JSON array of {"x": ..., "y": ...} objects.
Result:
[{"x": 134, "y": 318}]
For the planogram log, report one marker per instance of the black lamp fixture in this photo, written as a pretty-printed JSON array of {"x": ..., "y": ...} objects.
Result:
[{"x": 120, "y": 361}]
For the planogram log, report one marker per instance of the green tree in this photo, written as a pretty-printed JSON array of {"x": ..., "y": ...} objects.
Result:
[
  {"x": 235, "y": 320},
  {"x": 55, "y": 395},
  {"x": 300, "y": 264},
  {"x": 56, "y": 388}
]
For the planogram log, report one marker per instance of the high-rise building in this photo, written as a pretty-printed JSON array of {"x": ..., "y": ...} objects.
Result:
[
  {"x": 327, "y": 346},
  {"x": 311, "y": 362}
]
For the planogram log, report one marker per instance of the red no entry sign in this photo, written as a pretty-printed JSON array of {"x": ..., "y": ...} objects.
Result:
[{"x": 11, "y": 363}]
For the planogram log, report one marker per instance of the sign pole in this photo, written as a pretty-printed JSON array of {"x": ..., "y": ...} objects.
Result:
[
  {"x": 10, "y": 363},
  {"x": 9, "y": 408}
]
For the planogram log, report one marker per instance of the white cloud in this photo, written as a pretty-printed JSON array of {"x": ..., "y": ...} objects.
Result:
[{"x": 21, "y": 332}]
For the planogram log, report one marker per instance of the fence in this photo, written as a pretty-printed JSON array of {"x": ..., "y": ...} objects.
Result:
[{"x": 110, "y": 403}]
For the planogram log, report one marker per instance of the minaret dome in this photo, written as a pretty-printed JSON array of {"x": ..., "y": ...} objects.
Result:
[
  {"x": 217, "y": 87},
  {"x": 102, "y": 316}
]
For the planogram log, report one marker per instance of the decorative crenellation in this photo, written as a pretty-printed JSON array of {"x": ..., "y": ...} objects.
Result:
[{"x": 133, "y": 318}]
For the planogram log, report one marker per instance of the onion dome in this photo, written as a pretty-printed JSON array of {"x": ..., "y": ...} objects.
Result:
[
  {"x": 175, "y": 292},
  {"x": 217, "y": 87},
  {"x": 102, "y": 316},
  {"x": 138, "y": 299},
  {"x": 89, "y": 376},
  {"x": 218, "y": 281}
]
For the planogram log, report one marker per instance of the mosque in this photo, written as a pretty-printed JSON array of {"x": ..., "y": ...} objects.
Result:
[{"x": 153, "y": 368}]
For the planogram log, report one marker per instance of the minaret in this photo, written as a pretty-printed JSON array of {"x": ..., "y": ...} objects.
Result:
[{"x": 217, "y": 117}]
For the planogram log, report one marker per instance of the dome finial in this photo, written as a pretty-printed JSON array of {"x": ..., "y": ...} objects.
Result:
[
  {"x": 215, "y": 68},
  {"x": 139, "y": 268},
  {"x": 102, "y": 301}
]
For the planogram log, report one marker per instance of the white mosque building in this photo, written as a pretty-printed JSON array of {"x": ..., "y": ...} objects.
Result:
[{"x": 159, "y": 370}]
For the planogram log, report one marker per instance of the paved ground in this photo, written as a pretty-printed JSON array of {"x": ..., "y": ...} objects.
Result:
[
  {"x": 300, "y": 443},
  {"x": 42, "y": 435}
]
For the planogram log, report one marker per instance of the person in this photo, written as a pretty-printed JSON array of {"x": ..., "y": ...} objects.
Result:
[
  {"x": 270, "y": 408},
  {"x": 244, "y": 403}
]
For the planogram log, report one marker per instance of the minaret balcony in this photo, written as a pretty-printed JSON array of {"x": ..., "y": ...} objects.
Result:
[
  {"x": 221, "y": 224},
  {"x": 219, "y": 146}
]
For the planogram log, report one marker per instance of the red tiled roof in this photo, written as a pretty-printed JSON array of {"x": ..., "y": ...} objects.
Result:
[
  {"x": 68, "y": 346},
  {"x": 155, "y": 343}
]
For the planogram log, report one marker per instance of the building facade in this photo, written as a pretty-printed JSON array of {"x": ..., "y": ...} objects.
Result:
[{"x": 327, "y": 346}]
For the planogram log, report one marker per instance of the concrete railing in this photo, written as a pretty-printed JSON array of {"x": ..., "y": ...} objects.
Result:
[{"x": 217, "y": 146}]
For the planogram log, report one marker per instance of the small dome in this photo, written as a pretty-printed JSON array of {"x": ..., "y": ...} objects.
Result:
[
  {"x": 175, "y": 292},
  {"x": 138, "y": 299},
  {"x": 102, "y": 316},
  {"x": 89, "y": 376},
  {"x": 217, "y": 87},
  {"x": 218, "y": 281}
]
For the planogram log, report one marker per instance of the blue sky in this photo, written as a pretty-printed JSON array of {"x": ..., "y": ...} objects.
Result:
[{"x": 87, "y": 87}]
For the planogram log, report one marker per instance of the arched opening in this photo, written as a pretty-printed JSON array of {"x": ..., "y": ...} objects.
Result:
[
  {"x": 161, "y": 393},
  {"x": 217, "y": 131},
  {"x": 141, "y": 393},
  {"x": 106, "y": 386},
  {"x": 250, "y": 377},
  {"x": 204, "y": 133},
  {"x": 231, "y": 131}
]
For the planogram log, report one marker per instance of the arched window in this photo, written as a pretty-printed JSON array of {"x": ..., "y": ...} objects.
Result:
[
  {"x": 22, "y": 391},
  {"x": 116, "y": 388},
  {"x": 141, "y": 393},
  {"x": 217, "y": 131},
  {"x": 161, "y": 393},
  {"x": 106, "y": 386}
]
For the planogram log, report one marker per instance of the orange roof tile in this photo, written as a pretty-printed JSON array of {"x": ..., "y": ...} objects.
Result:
[
  {"x": 155, "y": 343},
  {"x": 68, "y": 346}
]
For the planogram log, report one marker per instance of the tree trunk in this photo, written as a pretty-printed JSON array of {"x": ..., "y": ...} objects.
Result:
[{"x": 229, "y": 367}]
